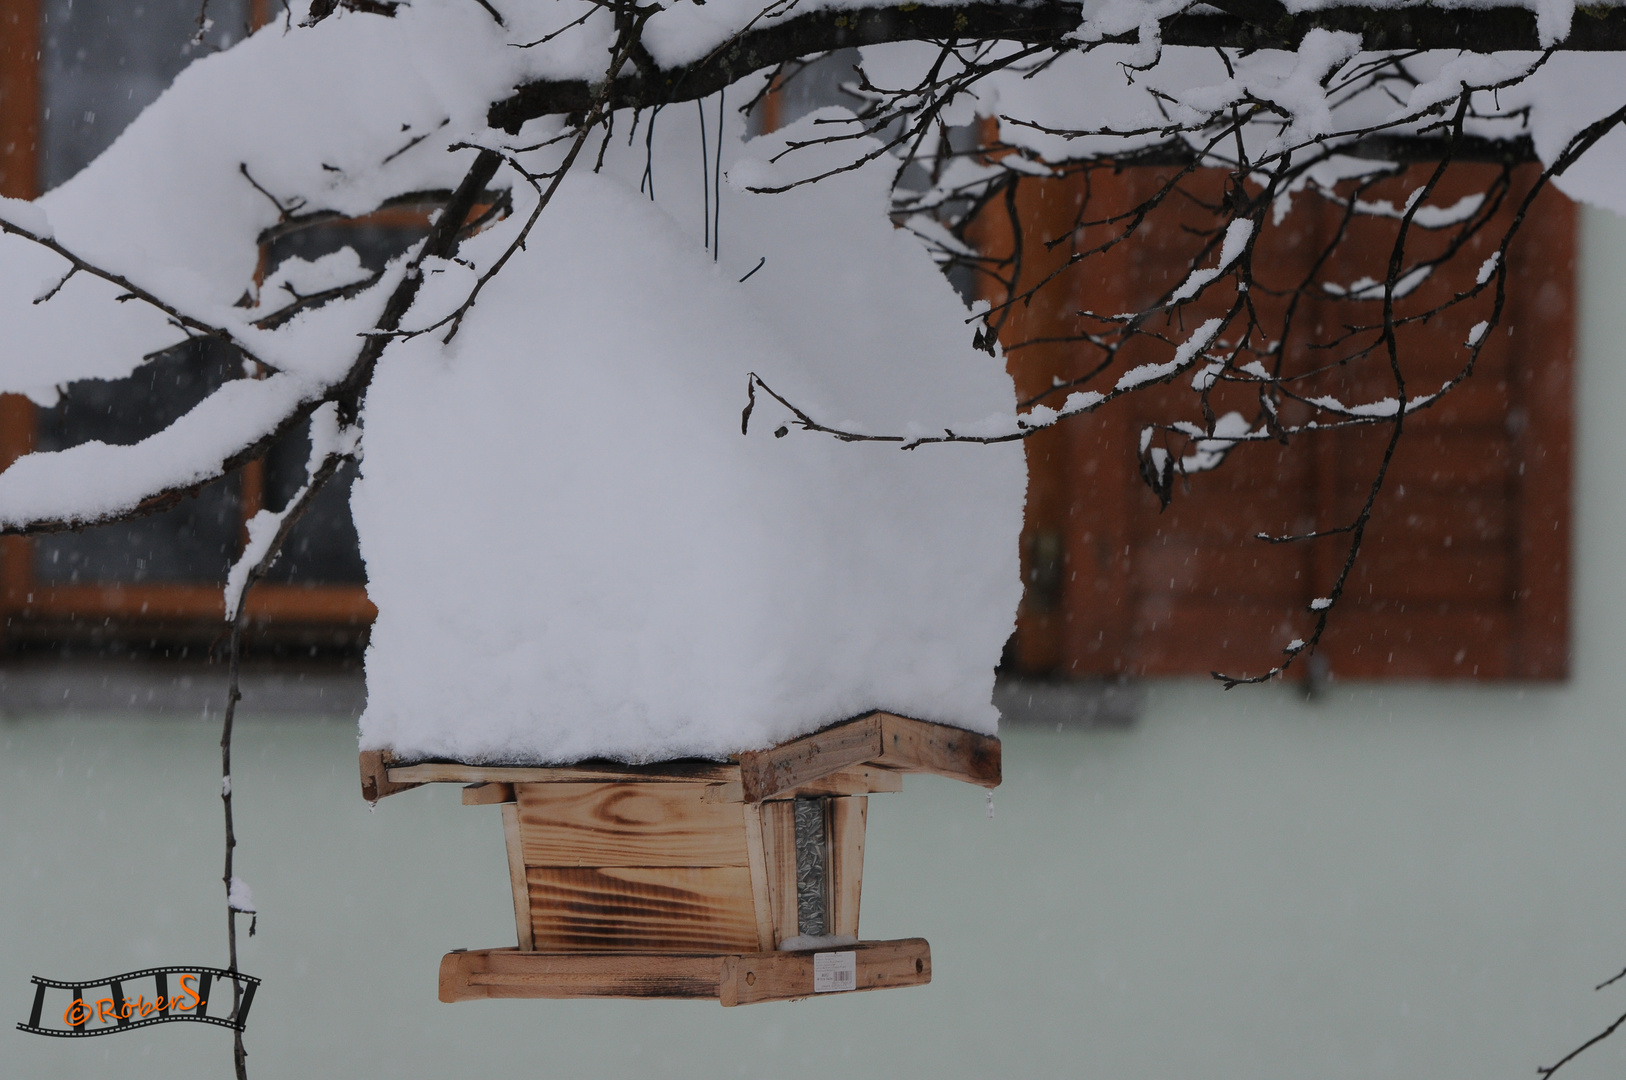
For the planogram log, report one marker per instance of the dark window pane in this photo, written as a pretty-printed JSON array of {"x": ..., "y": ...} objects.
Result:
[
  {"x": 323, "y": 547},
  {"x": 103, "y": 61},
  {"x": 196, "y": 540},
  {"x": 374, "y": 244}
]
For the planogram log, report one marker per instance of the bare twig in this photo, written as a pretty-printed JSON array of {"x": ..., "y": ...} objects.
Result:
[
  {"x": 1415, "y": 27},
  {"x": 1548, "y": 1070},
  {"x": 132, "y": 291},
  {"x": 290, "y": 517}
]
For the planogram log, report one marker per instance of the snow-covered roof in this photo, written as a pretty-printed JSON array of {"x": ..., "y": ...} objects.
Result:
[{"x": 574, "y": 550}]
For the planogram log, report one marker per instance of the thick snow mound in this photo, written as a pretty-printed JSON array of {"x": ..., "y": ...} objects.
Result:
[{"x": 576, "y": 553}]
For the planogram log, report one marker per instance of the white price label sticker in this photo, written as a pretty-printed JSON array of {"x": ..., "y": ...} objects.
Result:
[{"x": 834, "y": 971}]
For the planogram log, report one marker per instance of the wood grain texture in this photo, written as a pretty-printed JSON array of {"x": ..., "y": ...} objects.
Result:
[
  {"x": 895, "y": 742},
  {"x": 673, "y": 772},
  {"x": 847, "y": 820},
  {"x": 917, "y": 746},
  {"x": 375, "y": 779},
  {"x": 738, "y": 978},
  {"x": 854, "y": 780},
  {"x": 506, "y": 973},
  {"x": 767, "y": 772},
  {"x": 488, "y": 794},
  {"x": 641, "y": 908},
  {"x": 779, "y": 857},
  {"x": 783, "y": 976},
  {"x": 516, "y": 875},
  {"x": 729, "y": 792},
  {"x": 629, "y": 825},
  {"x": 756, "y": 854}
]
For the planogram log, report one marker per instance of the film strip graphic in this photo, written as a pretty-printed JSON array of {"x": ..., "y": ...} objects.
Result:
[{"x": 117, "y": 1010}]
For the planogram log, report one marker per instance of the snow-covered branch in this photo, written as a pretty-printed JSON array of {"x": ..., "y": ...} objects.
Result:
[{"x": 1256, "y": 24}]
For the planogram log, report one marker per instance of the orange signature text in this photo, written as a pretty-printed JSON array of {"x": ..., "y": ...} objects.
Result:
[{"x": 106, "y": 1010}]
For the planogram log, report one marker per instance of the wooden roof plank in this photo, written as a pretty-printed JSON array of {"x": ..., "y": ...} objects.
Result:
[
  {"x": 839, "y": 760},
  {"x": 917, "y": 746},
  {"x": 892, "y": 742},
  {"x": 441, "y": 772},
  {"x": 767, "y": 772}
]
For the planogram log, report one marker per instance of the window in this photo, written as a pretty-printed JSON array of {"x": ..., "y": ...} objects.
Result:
[{"x": 156, "y": 580}]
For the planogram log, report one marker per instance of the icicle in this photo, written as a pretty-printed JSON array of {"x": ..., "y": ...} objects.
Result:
[{"x": 990, "y": 806}]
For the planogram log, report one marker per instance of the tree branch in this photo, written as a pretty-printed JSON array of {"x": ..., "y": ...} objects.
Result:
[
  {"x": 1264, "y": 27},
  {"x": 234, "y": 693},
  {"x": 347, "y": 392}
]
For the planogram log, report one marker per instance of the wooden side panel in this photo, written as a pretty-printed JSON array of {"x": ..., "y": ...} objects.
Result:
[
  {"x": 761, "y": 898},
  {"x": 767, "y": 772},
  {"x": 629, "y": 825},
  {"x": 916, "y": 746},
  {"x": 847, "y": 819},
  {"x": 882, "y": 965},
  {"x": 516, "y": 875},
  {"x": 641, "y": 908},
  {"x": 779, "y": 854},
  {"x": 505, "y": 973}
]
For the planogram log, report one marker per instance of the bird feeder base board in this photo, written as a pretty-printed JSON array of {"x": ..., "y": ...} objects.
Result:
[{"x": 728, "y": 978}]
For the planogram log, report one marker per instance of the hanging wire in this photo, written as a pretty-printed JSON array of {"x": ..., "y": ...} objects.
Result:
[
  {"x": 705, "y": 176},
  {"x": 649, "y": 155},
  {"x": 717, "y": 185}
]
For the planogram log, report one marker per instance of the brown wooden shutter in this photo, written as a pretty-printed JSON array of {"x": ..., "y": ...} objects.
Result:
[
  {"x": 19, "y": 179},
  {"x": 1465, "y": 571}
]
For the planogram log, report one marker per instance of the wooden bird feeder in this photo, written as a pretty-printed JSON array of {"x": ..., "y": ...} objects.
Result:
[{"x": 736, "y": 881}]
